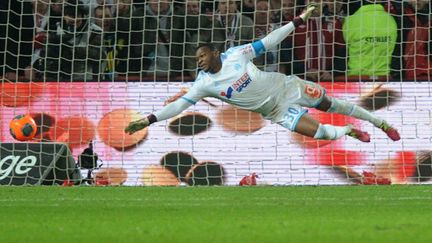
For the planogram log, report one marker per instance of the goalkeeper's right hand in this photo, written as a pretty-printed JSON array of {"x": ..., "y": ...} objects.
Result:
[
  {"x": 137, "y": 125},
  {"x": 310, "y": 8}
]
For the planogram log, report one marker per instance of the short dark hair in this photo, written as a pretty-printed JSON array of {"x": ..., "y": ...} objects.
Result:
[
  {"x": 74, "y": 9},
  {"x": 210, "y": 46}
]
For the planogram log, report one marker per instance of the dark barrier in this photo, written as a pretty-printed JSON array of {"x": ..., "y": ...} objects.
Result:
[{"x": 36, "y": 164}]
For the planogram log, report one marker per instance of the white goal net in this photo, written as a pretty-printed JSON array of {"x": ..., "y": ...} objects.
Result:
[{"x": 85, "y": 69}]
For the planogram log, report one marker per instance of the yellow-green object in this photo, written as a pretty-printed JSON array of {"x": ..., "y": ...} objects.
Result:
[{"x": 370, "y": 34}]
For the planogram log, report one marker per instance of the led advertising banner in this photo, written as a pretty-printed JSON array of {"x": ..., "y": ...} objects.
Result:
[
  {"x": 212, "y": 143},
  {"x": 36, "y": 164}
]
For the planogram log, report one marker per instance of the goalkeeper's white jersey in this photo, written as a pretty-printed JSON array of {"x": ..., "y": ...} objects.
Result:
[{"x": 242, "y": 84}]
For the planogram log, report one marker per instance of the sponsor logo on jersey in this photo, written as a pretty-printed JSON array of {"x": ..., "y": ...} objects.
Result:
[
  {"x": 228, "y": 93},
  {"x": 238, "y": 86}
]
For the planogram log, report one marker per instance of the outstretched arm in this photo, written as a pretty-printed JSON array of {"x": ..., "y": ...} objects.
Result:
[
  {"x": 277, "y": 36},
  {"x": 180, "y": 102},
  {"x": 170, "y": 110}
]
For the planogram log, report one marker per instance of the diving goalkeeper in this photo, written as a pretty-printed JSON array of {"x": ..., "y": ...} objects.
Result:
[{"x": 234, "y": 79}]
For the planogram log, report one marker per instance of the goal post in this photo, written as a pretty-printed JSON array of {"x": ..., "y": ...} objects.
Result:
[{"x": 85, "y": 69}]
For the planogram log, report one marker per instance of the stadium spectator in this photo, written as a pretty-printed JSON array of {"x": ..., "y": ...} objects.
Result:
[
  {"x": 45, "y": 23},
  {"x": 196, "y": 23},
  {"x": 263, "y": 19},
  {"x": 230, "y": 28},
  {"x": 207, "y": 8},
  {"x": 370, "y": 35},
  {"x": 276, "y": 4},
  {"x": 277, "y": 9},
  {"x": 126, "y": 38},
  {"x": 414, "y": 39},
  {"x": 162, "y": 37},
  {"x": 193, "y": 7},
  {"x": 92, "y": 4},
  {"x": 40, "y": 10},
  {"x": 288, "y": 10},
  {"x": 53, "y": 15},
  {"x": 104, "y": 19},
  {"x": 269, "y": 61},
  {"x": 248, "y": 8},
  {"x": 74, "y": 48},
  {"x": 285, "y": 15},
  {"x": 16, "y": 38},
  {"x": 319, "y": 49}
]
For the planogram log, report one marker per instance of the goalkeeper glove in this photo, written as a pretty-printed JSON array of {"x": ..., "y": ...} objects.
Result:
[
  {"x": 308, "y": 11},
  {"x": 137, "y": 125}
]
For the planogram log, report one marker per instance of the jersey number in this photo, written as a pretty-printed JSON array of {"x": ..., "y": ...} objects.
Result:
[
  {"x": 292, "y": 115},
  {"x": 313, "y": 92}
]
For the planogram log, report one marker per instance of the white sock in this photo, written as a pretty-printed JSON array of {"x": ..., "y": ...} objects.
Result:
[
  {"x": 330, "y": 132},
  {"x": 343, "y": 107}
]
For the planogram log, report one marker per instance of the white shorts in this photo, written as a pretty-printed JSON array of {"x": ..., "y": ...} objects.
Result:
[{"x": 308, "y": 94}]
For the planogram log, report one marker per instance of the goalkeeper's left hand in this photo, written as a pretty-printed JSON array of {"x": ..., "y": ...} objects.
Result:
[
  {"x": 310, "y": 8},
  {"x": 137, "y": 125}
]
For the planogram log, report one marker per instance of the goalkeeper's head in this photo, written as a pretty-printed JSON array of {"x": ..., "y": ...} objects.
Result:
[{"x": 208, "y": 58}]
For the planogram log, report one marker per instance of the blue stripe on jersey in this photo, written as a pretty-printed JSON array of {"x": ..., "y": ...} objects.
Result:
[
  {"x": 259, "y": 48},
  {"x": 189, "y": 100}
]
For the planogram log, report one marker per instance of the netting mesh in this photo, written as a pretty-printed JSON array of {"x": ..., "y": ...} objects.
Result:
[
  {"x": 84, "y": 69},
  {"x": 94, "y": 40}
]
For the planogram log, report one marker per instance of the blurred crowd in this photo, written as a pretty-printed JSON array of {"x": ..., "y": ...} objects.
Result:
[{"x": 155, "y": 40}]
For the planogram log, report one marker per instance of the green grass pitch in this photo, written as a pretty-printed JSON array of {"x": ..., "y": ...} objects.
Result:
[{"x": 216, "y": 214}]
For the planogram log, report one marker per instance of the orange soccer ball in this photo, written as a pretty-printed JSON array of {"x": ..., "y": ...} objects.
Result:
[{"x": 23, "y": 127}]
